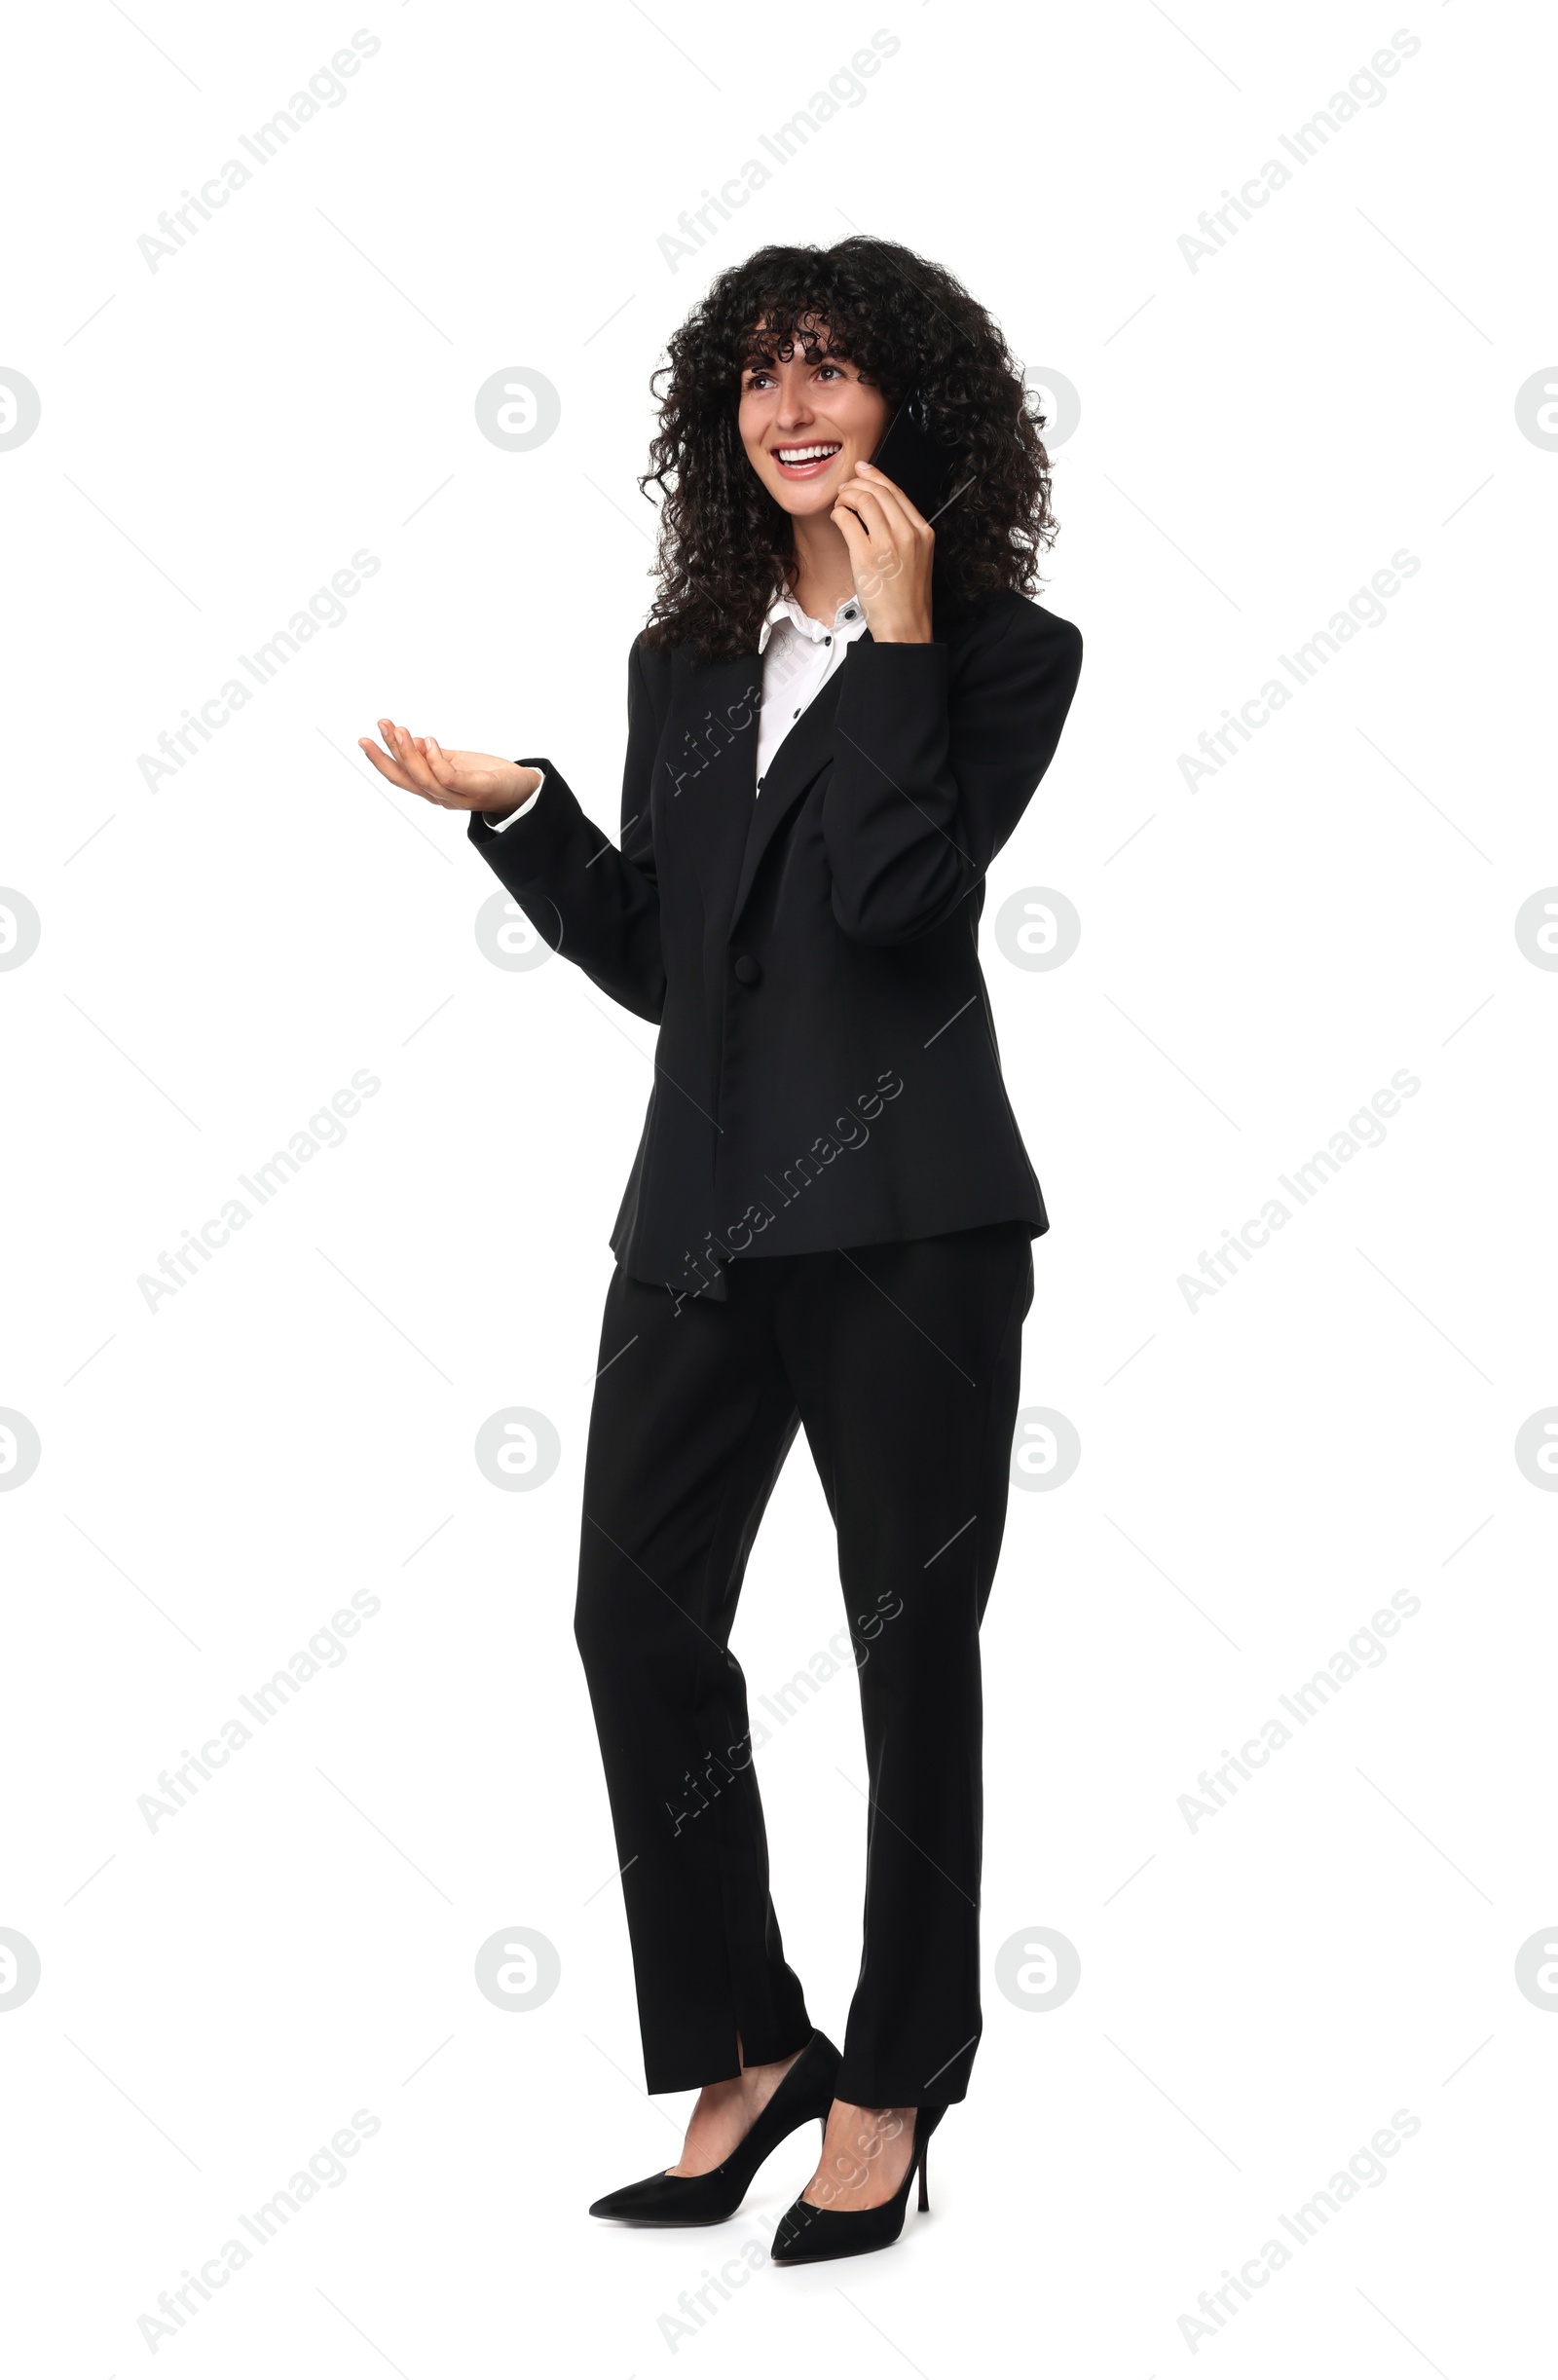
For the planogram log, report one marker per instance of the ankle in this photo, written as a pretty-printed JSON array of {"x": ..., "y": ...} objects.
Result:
[{"x": 759, "y": 2083}]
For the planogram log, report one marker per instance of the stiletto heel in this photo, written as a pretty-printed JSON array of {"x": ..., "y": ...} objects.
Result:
[
  {"x": 808, "y": 2234},
  {"x": 670, "y": 2199}
]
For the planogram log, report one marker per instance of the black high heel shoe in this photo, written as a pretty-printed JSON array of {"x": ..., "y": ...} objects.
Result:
[
  {"x": 808, "y": 2234},
  {"x": 804, "y": 2096}
]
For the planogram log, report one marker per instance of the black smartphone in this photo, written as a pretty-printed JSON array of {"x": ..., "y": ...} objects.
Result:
[{"x": 915, "y": 459}]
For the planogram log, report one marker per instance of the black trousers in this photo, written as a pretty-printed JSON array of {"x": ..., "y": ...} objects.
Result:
[{"x": 902, "y": 1361}]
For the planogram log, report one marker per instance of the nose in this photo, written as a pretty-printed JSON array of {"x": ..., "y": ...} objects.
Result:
[{"x": 794, "y": 409}]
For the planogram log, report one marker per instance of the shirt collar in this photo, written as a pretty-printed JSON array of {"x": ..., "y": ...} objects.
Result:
[{"x": 849, "y": 616}]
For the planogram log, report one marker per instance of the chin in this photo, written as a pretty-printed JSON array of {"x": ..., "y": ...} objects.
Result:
[
  {"x": 803, "y": 501},
  {"x": 802, "y": 497}
]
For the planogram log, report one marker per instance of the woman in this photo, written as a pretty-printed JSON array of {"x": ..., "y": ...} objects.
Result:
[{"x": 837, "y": 714}]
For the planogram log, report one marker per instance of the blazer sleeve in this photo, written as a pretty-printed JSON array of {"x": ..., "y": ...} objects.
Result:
[
  {"x": 931, "y": 774},
  {"x": 595, "y": 903}
]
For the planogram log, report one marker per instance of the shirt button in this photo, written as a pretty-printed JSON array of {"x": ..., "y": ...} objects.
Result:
[
  {"x": 747, "y": 970},
  {"x": 827, "y": 640},
  {"x": 795, "y": 714}
]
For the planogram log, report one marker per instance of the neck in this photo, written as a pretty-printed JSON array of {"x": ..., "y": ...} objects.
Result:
[{"x": 822, "y": 575}]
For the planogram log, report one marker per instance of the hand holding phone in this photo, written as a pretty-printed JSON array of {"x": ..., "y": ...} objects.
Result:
[{"x": 892, "y": 550}]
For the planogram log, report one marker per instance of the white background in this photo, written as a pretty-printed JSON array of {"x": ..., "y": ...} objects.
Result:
[{"x": 1258, "y": 956}]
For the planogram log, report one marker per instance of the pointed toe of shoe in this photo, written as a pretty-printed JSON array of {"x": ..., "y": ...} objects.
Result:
[
  {"x": 671, "y": 2199},
  {"x": 794, "y": 2240},
  {"x": 650, "y": 2201},
  {"x": 618, "y": 2205},
  {"x": 817, "y": 2235}
]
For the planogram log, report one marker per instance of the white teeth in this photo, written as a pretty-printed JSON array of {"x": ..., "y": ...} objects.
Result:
[{"x": 803, "y": 454}]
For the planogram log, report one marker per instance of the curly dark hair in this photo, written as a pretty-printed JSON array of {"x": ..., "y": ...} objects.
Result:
[{"x": 903, "y": 323}]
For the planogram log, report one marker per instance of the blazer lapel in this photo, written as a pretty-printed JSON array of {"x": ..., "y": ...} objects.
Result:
[
  {"x": 806, "y": 749},
  {"x": 712, "y": 771}
]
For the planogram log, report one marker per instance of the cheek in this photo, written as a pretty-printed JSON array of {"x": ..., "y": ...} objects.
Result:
[{"x": 866, "y": 414}]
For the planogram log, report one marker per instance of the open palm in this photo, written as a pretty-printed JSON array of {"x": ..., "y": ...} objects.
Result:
[{"x": 455, "y": 780}]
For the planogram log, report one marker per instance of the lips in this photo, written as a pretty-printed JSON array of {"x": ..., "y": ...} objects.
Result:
[{"x": 809, "y": 460}]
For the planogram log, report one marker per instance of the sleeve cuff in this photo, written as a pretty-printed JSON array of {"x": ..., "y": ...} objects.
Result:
[{"x": 502, "y": 827}]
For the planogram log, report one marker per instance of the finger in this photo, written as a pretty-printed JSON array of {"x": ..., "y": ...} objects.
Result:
[
  {"x": 386, "y": 767},
  {"x": 398, "y": 770},
  {"x": 879, "y": 556},
  {"x": 870, "y": 510},
  {"x": 414, "y": 773},
  {"x": 442, "y": 768},
  {"x": 456, "y": 788},
  {"x": 855, "y": 503},
  {"x": 847, "y": 521},
  {"x": 412, "y": 761},
  {"x": 883, "y": 515}
]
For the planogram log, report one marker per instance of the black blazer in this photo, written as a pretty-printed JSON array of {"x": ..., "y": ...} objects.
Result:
[{"x": 827, "y": 1072}]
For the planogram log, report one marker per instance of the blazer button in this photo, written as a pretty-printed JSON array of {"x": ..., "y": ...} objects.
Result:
[{"x": 747, "y": 970}]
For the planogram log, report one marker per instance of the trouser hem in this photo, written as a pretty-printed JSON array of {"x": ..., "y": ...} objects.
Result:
[
  {"x": 861, "y": 2086},
  {"x": 692, "y": 2073}
]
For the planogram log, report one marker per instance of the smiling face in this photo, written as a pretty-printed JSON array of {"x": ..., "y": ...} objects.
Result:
[{"x": 806, "y": 419}]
